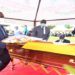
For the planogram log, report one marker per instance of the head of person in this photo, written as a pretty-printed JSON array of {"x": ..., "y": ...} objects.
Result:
[
  {"x": 43, "y": 22},
  {"x": 61, "y": 37},
  {"x": 25, "y": 26},
  {"x": 16, "y": 27}
]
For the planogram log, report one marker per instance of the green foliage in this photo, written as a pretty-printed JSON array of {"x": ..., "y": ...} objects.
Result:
[
  {"x": 70, "y": 69},
  {"x": 51, "y": 26},
  {"x": 68, "y": 26}
]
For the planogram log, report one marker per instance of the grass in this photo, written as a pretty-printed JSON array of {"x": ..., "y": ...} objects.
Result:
[{"x": 54, "y": 38}]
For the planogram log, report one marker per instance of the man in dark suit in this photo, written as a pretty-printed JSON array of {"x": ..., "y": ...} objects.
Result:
[
  {"x": 62, "y": 39},
  {"x": 41, "y": 31},
  {"x": 4, "y": 55},
  {"x": 3, "y": 33}
]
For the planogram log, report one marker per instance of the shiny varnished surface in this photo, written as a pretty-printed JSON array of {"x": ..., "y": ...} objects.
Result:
[
  {"x": 50, "y": 58},
  {"x": 16, "y": 50}
]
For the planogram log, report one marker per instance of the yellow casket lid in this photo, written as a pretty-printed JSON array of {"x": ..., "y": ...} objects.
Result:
[{"x": 66, "y": 49}]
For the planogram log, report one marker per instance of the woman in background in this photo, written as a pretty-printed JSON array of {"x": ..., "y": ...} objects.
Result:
[
  {"x": 17, "y": 31},
  {"x": 25, "y": 30}
]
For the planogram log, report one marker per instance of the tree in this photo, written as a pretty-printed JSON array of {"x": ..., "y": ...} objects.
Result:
[
  {"x": 51, "y": 26},
  {"x": 68, "y": 26}
]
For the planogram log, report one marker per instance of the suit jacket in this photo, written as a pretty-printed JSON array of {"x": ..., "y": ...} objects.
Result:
[
  {"x": 3, "y": 33},
  {"x": 38, "y": 32},
  {"x": 4, "y": 55},
  {"x": 64, "y": 41}
]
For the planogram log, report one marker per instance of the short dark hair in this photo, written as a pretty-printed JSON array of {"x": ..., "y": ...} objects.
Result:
[
  {"x": 62, "y": 36},
  {"x": 43, "y": 21}
]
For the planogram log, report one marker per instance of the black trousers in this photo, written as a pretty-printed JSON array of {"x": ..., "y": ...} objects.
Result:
[{"x": 4, "y": 56}]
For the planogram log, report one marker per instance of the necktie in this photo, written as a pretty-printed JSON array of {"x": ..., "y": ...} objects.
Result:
[{"x": 44, "y": 30}]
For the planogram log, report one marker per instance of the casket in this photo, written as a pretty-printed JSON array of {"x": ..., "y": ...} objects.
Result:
[
  {"x": 51, "y": 53},
  {"x": 47, "y": 53}
]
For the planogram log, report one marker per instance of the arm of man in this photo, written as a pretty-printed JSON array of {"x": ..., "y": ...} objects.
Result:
[
  {"x": 34, "y": 32},
  {"x": 48, "y": 34}
]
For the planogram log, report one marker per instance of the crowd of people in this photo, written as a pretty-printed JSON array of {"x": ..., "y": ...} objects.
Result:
[
  {"x": 41, "y": 31},
  {"x": 17, "y": 31}
]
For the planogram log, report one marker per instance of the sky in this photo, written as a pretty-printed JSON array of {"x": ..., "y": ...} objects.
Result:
[{"x": 49, "y": 9}]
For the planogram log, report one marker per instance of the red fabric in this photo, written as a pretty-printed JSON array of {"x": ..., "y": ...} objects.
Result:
[{"x": 20, "y": 69}]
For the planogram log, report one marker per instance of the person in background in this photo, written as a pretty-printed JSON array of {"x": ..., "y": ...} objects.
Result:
[
  {"x": 73, "y": 32},
  {"x": 17, "y": 31},
  {"x": 29, "y": 33},
  {"x": 25, "y": 30},
  {"x": 41, "y": 31},
  {"x": 62, "y": 39}
]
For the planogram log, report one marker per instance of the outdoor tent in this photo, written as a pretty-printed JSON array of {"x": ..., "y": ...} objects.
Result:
[
  {"x": 35, "y": 10},
  {"x": 48, "y": 9}
]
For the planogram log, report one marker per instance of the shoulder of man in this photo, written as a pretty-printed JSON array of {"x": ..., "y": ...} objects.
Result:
[
  {"x": 65, "y": 40},
  {"x": 37, "y": 27},
  {"x": 57, "y": 40}
]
